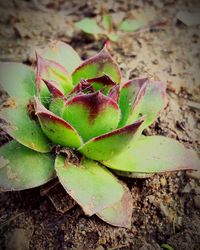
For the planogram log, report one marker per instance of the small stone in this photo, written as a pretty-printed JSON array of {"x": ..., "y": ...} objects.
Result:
[
  {"x": 187, "y": 188},
  {"x": 193, "y": 174},
  {"x": 197, "y": 201},
  {"x": 163, "y": 181}
]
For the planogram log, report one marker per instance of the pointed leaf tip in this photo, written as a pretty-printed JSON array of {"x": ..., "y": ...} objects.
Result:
[
  {"x": 120, "y": 213},
  {"x": 107, "y": 145},
  {"x": 150, "y": 101},
  {"x": 53, "y": 88},
  {"x": 55, "y": 128},
  {"x": 48, "y": 69},
  {"x": 97, "y": 66},
  {"x": 154, "y": 154},
  {"x": 63, "y": 54}
]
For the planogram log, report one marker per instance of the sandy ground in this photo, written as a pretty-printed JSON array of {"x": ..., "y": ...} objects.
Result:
[{"x": 167, "y": 206}]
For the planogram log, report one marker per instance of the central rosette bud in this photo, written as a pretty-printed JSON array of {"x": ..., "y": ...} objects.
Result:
[{"x": 89, "y": 110}]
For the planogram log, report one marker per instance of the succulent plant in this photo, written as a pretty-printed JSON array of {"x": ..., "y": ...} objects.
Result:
[
  {"x": 106, "y": 27},
  {"x": 76, "y": 121}
]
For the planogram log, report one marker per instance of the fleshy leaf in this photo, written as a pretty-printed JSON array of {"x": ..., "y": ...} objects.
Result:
[
  {"x": 58, "y": 100},
  {"x": 128, "y": 93},
  {"x": 63, "y": 54},
  {"x": 154, "y": 154},
  {"x": 91, "y": 185},
  {"x": 105, "y": 146},
  {"x": 97, "y": 66},
  {"x": 18, "y": 81},
  {"x": 55, "y": 128},
  {"x": 57, "y": 105},
  {"x": 89, "y": 26},
  {"x": 92, "y": 114},
  {"x": 102, "y": 83},
  {"x": 48, "y": 69},
  {"x": 149, "y": 102},
  {"x": 22, "y": 168},
  {"x": 114, "y": 93},
  {"x": 83, "y": 87},
  {"x": 107, "y": 22},
  {"x": 130, "y": 25},
  {"x": 120, "y": 213},
  {"x": 54, "y": 88}
]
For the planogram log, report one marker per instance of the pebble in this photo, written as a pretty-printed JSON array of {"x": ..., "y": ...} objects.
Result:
[{"x": 163, "y": 181}]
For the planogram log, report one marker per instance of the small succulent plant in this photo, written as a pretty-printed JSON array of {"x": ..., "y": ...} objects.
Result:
[
  {"x": 76, "y": 121},
  {"x": 106, "y": 27}
]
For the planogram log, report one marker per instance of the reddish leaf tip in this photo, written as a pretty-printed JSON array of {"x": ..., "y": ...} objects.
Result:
[{"x": 53, "y": 89}]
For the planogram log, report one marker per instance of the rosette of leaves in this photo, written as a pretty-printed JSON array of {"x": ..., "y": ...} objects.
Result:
[
  {"x": 106, "y": 27},
  {"x": 76, "y": 121}
]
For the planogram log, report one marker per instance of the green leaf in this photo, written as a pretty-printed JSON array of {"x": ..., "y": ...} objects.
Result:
[
  {"x": 102, "y": 83},
  {"x": 63, "y": 54},
  {"x": 154, "y": 154},
  {"x": 105, "y": 146},
  {"x": 55, "y": 128},
  {"x": 18, "y": 81},
  {"x": 128, "y": 93},
  {"x": 50, "y": 70},
  {"x": 120, "y": 213},
  {"x": 91, "y": 185},
  {"x": 89, "y": 26},
  {"x": 22, "y": 168},
  {"x": 96, "y": 66},
  {"x": 107, "y": 22},
  {"x": 57, "y": 102},
  {"x": 149, "y": 102},
  {"x": 131, "y": 25},
  {"x": 92, "y": 114}
]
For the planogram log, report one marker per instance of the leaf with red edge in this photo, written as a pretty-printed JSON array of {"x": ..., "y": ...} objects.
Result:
[
  {"x": 97, "y": 66},
  {"x": 83, "y": 87},
  {"x": 107, "y": 145},
  {"x": 54, "y": 89},
  {"x": 63, "y": 54},
  {"x": 90, "y": 184},
  {"x": 92, "y": 114},
  {"x": 114, "y": 93},
  {"x": 47, "y": 69},
  {"x": 128, "y": 93},
  {"x": 154, "y": 154},
  {"x": 102, "y": 83},
  {"x": 55, "y": 128},
  {"x": 149, "y": 102},
  {"x": 120, "y": 213}
]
